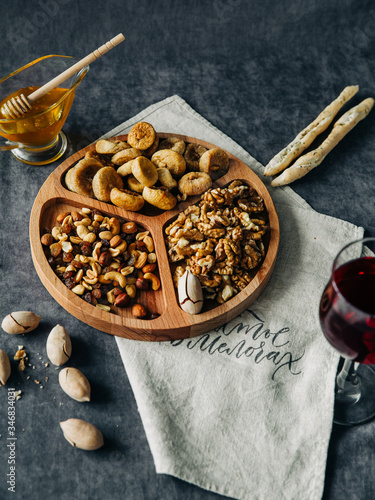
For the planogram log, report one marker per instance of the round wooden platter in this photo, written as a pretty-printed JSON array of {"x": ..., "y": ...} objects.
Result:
[{"x": 173, "y": 323}]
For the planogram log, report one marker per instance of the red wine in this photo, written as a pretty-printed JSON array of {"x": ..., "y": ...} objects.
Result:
[{"x": 347, "y": 310}]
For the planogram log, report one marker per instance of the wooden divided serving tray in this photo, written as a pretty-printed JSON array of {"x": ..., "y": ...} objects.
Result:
[{"x": 173, "y": 323}]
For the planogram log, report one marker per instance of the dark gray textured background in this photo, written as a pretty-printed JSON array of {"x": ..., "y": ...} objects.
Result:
[{"x": 260, "y": 71}]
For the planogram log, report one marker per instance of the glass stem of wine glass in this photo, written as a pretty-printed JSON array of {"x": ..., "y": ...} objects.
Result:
[{"x": 348, "y": 389}]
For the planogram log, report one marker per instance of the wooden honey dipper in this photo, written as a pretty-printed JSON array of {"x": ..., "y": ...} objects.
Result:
[{"x": 19, "y": 105}]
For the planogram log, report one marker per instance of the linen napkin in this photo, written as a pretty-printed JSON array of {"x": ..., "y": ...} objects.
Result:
[{"x": 246, "y": 410}]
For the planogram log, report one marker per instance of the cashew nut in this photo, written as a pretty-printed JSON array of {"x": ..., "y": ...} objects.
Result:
[
  {"x": 131, "y": 291},
  {"x": 89, "y": 281},
  {"x": 111, "y": 296},
  {"x": 141, "y": 261},
  {"x": 147, "y": 240},
  {"x": 127, "y": 270},
  {"x": 103, "y": 280},
  {"x": 96, "y": 251},
  {"x": 116, "y": 276},
  {"x": 114, "y": 226},
  {"x": 155, "y": 282}
]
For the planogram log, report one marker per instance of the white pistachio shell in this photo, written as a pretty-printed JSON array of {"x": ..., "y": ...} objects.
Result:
[
  {"x": 20, "y": 322},
  {"x": 190, "y": 295},
  {"x": 4, "y": 367},
  {"x": 82, "y": 434},
  {"x": 59, "y": 346},
  {"x": 73, "y": 382}
]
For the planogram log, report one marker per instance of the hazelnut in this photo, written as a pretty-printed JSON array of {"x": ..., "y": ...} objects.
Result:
[
  {"x": 139, "y": 311},
  {"x": 105, "y": 258},
  {"x": 141, "y": 284},
  {"x": 55, "y": 249},
  {"x": 47, "y": 239},
  {"x": 122, "y": 300}
]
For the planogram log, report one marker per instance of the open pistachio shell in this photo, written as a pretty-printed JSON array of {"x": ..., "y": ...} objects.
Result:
[{"x": 190, "y": 293}]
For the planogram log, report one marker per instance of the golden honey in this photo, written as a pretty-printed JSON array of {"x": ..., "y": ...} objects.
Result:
[{"x": 43, "y": 122}]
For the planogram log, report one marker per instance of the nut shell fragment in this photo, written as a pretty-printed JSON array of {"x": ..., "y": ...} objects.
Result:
[
  {"x": 74, "y": 383},
  {"x": 59, "y": 346},
  {"x": 82, "y": 434},
  {"x": 5, "y": 368},
  {"x": 20, "y": 322}
]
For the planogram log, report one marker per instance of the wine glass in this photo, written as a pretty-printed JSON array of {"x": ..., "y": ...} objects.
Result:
[{"x": 347, "y": 318}]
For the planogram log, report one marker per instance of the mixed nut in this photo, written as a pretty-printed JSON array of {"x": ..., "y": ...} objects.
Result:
[{"x": 102, "y": 259}]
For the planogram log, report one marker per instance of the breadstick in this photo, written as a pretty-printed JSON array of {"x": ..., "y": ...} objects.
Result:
[
  {"x": 311, "y": 160},
  {"x": 303, "y": 140}
]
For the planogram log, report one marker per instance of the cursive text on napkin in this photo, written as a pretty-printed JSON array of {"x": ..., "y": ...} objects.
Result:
[{"x": 260, "y": 344}]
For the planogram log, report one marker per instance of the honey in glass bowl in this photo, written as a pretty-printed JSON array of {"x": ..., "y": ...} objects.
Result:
[
  {"x": 43, "y": 122},
  {"x": 36, "y": 137}
]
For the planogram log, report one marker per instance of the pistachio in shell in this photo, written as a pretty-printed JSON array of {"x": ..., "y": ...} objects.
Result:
[
  {"x": 59, "y": 346},
  {"x": 74, "y": 383},
  {"x": 82, "y": 434},
  {"x": 20, "y": 322},
  {"x": 190, "y": 293},
  {"x": 4, "y": 367}
]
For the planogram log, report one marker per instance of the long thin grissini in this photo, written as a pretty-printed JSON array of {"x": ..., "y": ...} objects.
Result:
[
  {"x": 311, "y": 160},
  {"x": 303, "y": 140}
]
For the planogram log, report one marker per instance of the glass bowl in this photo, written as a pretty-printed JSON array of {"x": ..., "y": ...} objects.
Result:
[{"x": 36, "y": 138}]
